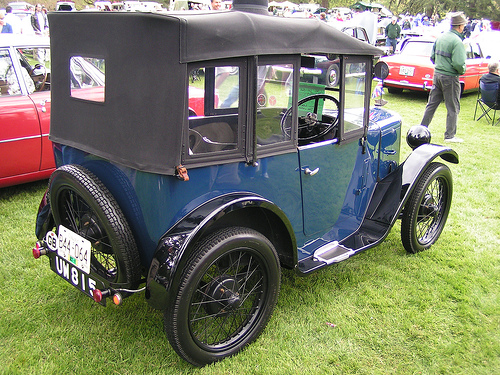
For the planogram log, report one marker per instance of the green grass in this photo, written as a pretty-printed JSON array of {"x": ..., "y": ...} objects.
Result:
[{"x": 381, "y": 312}]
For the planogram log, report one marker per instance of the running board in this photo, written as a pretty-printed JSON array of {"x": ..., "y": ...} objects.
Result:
[{"x": 332, "y": 253}]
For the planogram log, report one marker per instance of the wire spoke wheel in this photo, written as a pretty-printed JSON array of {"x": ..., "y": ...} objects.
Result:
[
  {"x": 81, "y": 203},
  {"x": 227, "y": 293},
  {"x": 226, "y": 298},
  {"x": 427, "y": 209}
]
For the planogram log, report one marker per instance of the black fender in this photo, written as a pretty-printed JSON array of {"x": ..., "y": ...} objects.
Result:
[
  {"x": 390, "y": 196},
  {"x": 44, "y": 218},
  {"x": 392, "y": 192},
  {"x": 233, "y": 209}
]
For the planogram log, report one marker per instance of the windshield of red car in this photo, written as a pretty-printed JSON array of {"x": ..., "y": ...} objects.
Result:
[{"x": 417, "y": 49}]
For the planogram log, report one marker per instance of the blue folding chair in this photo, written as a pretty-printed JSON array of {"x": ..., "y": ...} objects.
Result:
[{"x": 487, "y": 100}]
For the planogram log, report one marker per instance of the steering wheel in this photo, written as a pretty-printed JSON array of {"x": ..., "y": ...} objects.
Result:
[
  {"x": 313, "y": 125},
  {"x": 40, "y": 84}
]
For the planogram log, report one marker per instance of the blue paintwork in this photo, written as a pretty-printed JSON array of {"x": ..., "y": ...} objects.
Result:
[{"x": 330, "y": 204}]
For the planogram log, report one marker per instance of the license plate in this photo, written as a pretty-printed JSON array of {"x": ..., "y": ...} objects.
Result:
[
  {"x": 406, "y": 70},
  {"x": 72, "y": 247},
  {"x": 75, "y": 276}
]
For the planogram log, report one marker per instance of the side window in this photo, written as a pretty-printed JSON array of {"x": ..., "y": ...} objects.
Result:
[
  {"x": 9, "y": 85},
  {"x": 468, "y": 51},
  {"x": 214, "y": 106},
  {"x": 274, "y": 97},
  {"x": 319, "y": 99},
  {"x": 36, "y": 64},
  {"x": 354, "y": 103},
  {"x": 476, "y": 52}
]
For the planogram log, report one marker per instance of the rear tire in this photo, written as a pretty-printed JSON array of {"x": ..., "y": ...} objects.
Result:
[
  {"x": 226, "y": 296},
  {"x": 427, "y": 209},
  {"x": 80, "y": 202}
]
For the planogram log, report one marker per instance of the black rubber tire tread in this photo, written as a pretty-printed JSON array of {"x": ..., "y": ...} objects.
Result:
[
  {"x": 411, "y": 242},
  {"x": 206, "y": 253},
  {"x": 93, "y": 192}
]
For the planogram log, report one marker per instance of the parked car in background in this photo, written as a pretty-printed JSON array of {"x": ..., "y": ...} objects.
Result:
[
  {"x": 412, "y": 68},
  {"x": 67, "y": 6},
  {"x": 197, "y": 206},
  {"x": 21, "y": 6},
  {"x": 24, "y": 109},
  {"x": 25, "y": 105}
]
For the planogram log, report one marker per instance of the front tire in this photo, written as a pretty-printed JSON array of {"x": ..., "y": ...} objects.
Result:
[
  {"x": 226, "y": 296},
  {"x": 427, "y": 209}
]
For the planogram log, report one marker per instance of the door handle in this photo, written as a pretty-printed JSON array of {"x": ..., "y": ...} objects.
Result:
[{"x": 311, "y": 172}]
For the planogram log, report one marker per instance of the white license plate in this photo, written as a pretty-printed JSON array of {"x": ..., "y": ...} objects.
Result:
[
  {"x": 406, "y": 70},
  {"x": 72, "y": 247}
]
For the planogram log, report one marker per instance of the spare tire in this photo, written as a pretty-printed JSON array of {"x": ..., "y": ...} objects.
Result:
[{"x": 81, "y": 203}]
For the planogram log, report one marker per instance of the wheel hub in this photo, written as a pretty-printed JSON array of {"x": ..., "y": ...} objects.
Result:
[
  {"x": 90, "y": 229},
  {"x": 428, "y": 207},
  {"x": 224, "y": 296}
]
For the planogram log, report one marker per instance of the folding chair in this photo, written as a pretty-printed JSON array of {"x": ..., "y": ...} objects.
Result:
[{"x": 487, "y": 101}]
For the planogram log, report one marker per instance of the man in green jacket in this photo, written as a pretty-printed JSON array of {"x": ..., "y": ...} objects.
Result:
[
  {"x": 392, "y": 34},
  {"x": 448, "y": 55}
]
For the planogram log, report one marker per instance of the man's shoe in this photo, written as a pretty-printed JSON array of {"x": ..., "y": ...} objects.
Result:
[{"x": 454, "y": 140}]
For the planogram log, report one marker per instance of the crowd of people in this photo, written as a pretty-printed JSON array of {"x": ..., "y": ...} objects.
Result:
[
  {"x": 34, "y": 21},
  {"x": 448, "y": 52}
]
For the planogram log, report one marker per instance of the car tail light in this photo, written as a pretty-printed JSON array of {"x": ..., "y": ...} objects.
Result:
[
  {"x": 98, "y": 295},
  {"x": 39, "y": 250}
]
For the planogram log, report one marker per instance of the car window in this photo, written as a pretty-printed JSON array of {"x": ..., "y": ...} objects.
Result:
[
  {"x": 9, "y": 82},
  {"x": 214, "y": 101},
  {"x": 472, "y": 50},
  {"x": 87, "y": 78},
  {"x": 354, "y": 103},
  {"x": 417, "y": 49},
  {"x": 36, "y": 62},
  {"x": 320, "y": 77},
  {"x": 274, "y": 93}
]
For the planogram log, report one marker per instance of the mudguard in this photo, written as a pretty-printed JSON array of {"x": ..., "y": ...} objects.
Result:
[
  {"x": 418, "y": 160},
  {"x": 173, "y": 250},
  {"x": 385, "y": 206},
  {"x": 386, "y": 203}
]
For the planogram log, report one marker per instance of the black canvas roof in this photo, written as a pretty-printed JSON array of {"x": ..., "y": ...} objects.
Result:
[
  {"x": 140, "y": 122},
  {"x": 223, "y": 34}
]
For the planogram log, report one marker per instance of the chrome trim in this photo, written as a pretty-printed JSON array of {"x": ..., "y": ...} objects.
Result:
[
  {"x": 403, "y": 85},
  {"x": 319, "y": 144},
  {"x": 22, "y": 138}
]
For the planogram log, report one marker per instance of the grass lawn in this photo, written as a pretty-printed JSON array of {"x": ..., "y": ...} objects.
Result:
[{"x": 381, "y": 312}]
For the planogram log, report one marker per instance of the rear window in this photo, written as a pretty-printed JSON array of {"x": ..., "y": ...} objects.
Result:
[
  {"x": 417, "y": 49},
  {"x": 87, "y": 78}
]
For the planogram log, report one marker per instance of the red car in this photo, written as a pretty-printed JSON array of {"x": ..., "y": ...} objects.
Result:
[
  {"x": 412, "y": 69},
  {"x": 24, "y": 109}
]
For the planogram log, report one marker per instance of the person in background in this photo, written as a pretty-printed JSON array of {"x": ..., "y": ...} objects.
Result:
[
  {"x": 392, "y": 33},
  {"x": 216, "y": 5},
  {"x": 39, "y": 21},
  {"x": 493, "y": 76},
  {"x": 13, "y": 20},
  {"x": 448, "y": 55},
  {"x": 5, "y": 27}
]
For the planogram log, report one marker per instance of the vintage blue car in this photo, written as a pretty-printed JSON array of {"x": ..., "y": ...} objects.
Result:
[{"x": 198, "y": 209}]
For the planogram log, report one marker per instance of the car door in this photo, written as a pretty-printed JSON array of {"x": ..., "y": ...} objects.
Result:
[
  {"x": 20, "y": 126},
  {"x": 476, "y": 66},
  {"x": 334, "y": 172}
]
